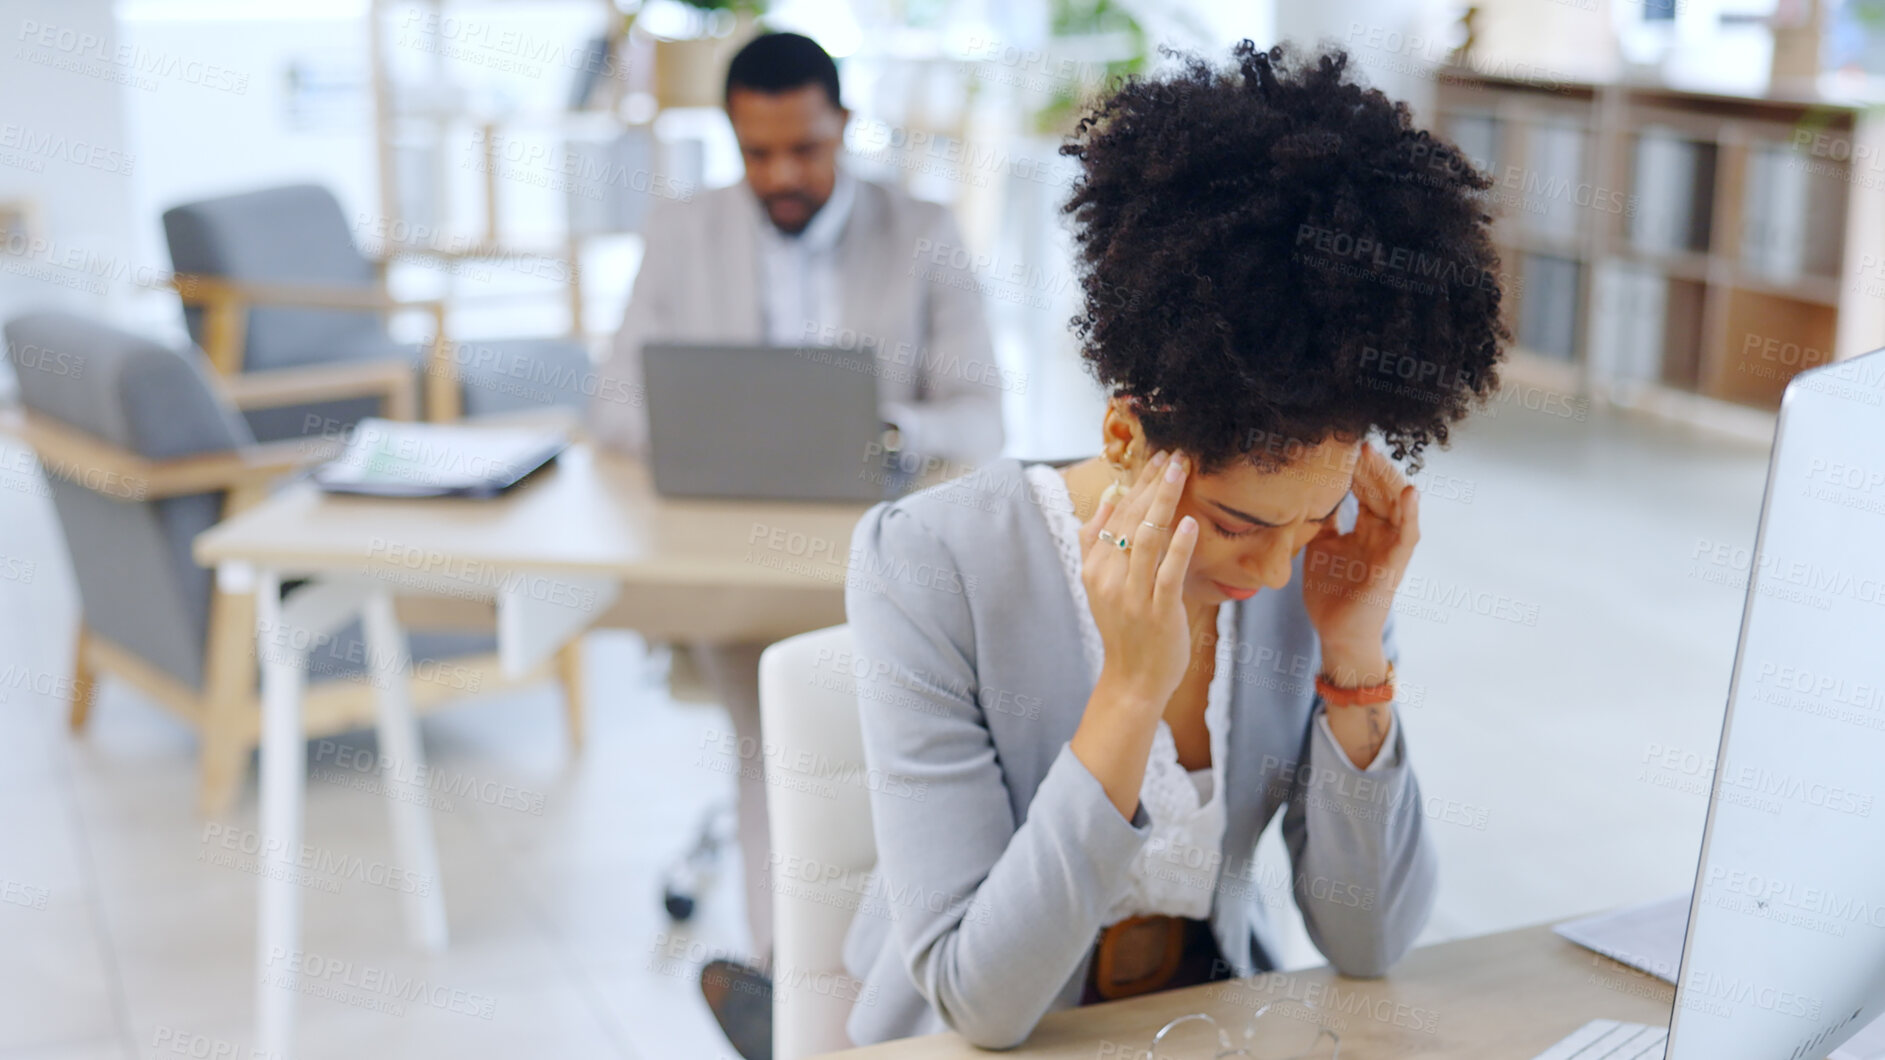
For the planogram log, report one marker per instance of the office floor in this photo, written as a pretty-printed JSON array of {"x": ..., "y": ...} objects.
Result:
[{"x": 1566, "y": 640}]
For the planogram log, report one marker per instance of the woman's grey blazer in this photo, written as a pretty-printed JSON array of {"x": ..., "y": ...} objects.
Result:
[{"x": 999, "y": 854}]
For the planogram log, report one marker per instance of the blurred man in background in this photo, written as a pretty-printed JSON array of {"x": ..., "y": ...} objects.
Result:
[{"x": 802, "y": 253}]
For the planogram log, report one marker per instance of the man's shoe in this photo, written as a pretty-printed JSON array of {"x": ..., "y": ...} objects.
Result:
[{"x": 740, "y": 997}]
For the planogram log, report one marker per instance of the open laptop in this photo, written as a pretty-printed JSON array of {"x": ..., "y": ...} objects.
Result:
[
  {"x": 766, "y": 423},
  {"x": 1784, "y": 956}
]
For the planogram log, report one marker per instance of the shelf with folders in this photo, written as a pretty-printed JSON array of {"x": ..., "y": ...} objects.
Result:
[
  {"x": 1680, "y": 244},
  {"x": 1535, "y": 145}
]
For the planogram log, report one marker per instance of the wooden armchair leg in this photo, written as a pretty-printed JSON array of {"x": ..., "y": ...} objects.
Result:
[
  {"x": 83, "y": 680},
  {"x": 443, "y": 401},
  {"x": 224, "y": 758},
  {"x": 229, "y": 707},
  {"x": 569, "y": 671}
]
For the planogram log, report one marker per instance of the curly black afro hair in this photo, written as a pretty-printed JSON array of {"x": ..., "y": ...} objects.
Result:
[{"x": 1272, "y": 255}]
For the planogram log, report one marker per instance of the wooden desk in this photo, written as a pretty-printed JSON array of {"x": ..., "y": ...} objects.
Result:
[
  {"x": 1507, "y": 996},
  {"x": 714, "y": 569},
  {"x": 583, "y": 542}
]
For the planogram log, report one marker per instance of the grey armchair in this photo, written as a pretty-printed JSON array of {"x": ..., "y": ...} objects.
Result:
[
  {"x": 143, "y": 453},
  {"x": 273, "y": 280}
]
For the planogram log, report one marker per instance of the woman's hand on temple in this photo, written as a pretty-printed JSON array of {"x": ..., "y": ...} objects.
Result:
[
  {"x": 1137, "y": 599},
  {"x": 1349, "y": 579},
  {"x": 1137, "y": 594}
]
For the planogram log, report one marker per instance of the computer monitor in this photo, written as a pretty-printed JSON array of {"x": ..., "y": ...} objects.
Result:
[{"x": 1784, "y": 958}]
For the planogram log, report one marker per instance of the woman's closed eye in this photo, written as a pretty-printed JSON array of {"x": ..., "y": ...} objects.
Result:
[{"x": 1224, "y": 531}]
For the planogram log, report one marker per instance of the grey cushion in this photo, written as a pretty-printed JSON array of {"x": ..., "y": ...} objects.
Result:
[
  {"x": 138, "y": 586},
  {"x": 498, "y": 375},
  {"x": 299, "y": 234},
  {"x": 344, "y": 655},
  {"x": 321, "y": 418},
  {"x": 292, "y": 235},
  {"x": 134, "y": 393},
  {"x": 495, "y": 375}
]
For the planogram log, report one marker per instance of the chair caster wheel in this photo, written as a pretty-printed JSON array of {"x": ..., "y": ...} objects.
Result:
[
  {"x": 692, "y": 874},
  {"x": 680, "y": 906}
]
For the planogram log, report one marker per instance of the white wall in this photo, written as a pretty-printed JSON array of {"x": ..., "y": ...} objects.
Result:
[
  {"x": 1394, "y": 43},
  {"x": 166, "y": 101},
  {"x": 105, "y": 121},
  {"x": 64, "y": 144},
  {"x": 230, "y": 132}
]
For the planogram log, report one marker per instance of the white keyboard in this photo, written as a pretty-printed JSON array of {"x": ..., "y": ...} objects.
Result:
[{"x": 1610, "y": 1040}]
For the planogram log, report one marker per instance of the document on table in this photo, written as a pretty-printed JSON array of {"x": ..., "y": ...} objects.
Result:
[
  {"x": 386, "y": 458},
  {"x": 1648, "y": 937}
]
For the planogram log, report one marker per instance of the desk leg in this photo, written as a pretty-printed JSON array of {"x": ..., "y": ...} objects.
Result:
[
  {"x": 390, "y": 658},
  {"x": 283, "y": 784},
  {"x": 569, "y": 671}
]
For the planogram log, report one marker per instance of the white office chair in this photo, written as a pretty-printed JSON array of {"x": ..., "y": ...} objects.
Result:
[{"x": 808, "y": 710}]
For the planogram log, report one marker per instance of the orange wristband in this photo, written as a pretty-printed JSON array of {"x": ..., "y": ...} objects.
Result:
[{"x": 1337, "y": 696}]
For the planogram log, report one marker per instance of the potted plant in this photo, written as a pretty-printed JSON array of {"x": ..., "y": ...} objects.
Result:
[{"x": 1095, "y": 42}]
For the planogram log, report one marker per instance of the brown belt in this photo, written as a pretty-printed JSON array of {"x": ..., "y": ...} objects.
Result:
[{"x": 1145, "y": 953}]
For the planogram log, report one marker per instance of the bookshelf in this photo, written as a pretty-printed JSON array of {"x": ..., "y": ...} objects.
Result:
[{"x": 1679, "y": 251}]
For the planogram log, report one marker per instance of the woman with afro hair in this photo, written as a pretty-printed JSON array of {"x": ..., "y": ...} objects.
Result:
[{"x": 1095, "y": 684}]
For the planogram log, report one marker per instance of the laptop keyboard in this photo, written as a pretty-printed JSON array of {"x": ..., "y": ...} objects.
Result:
[{"x": 1610, "y": 1040}]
